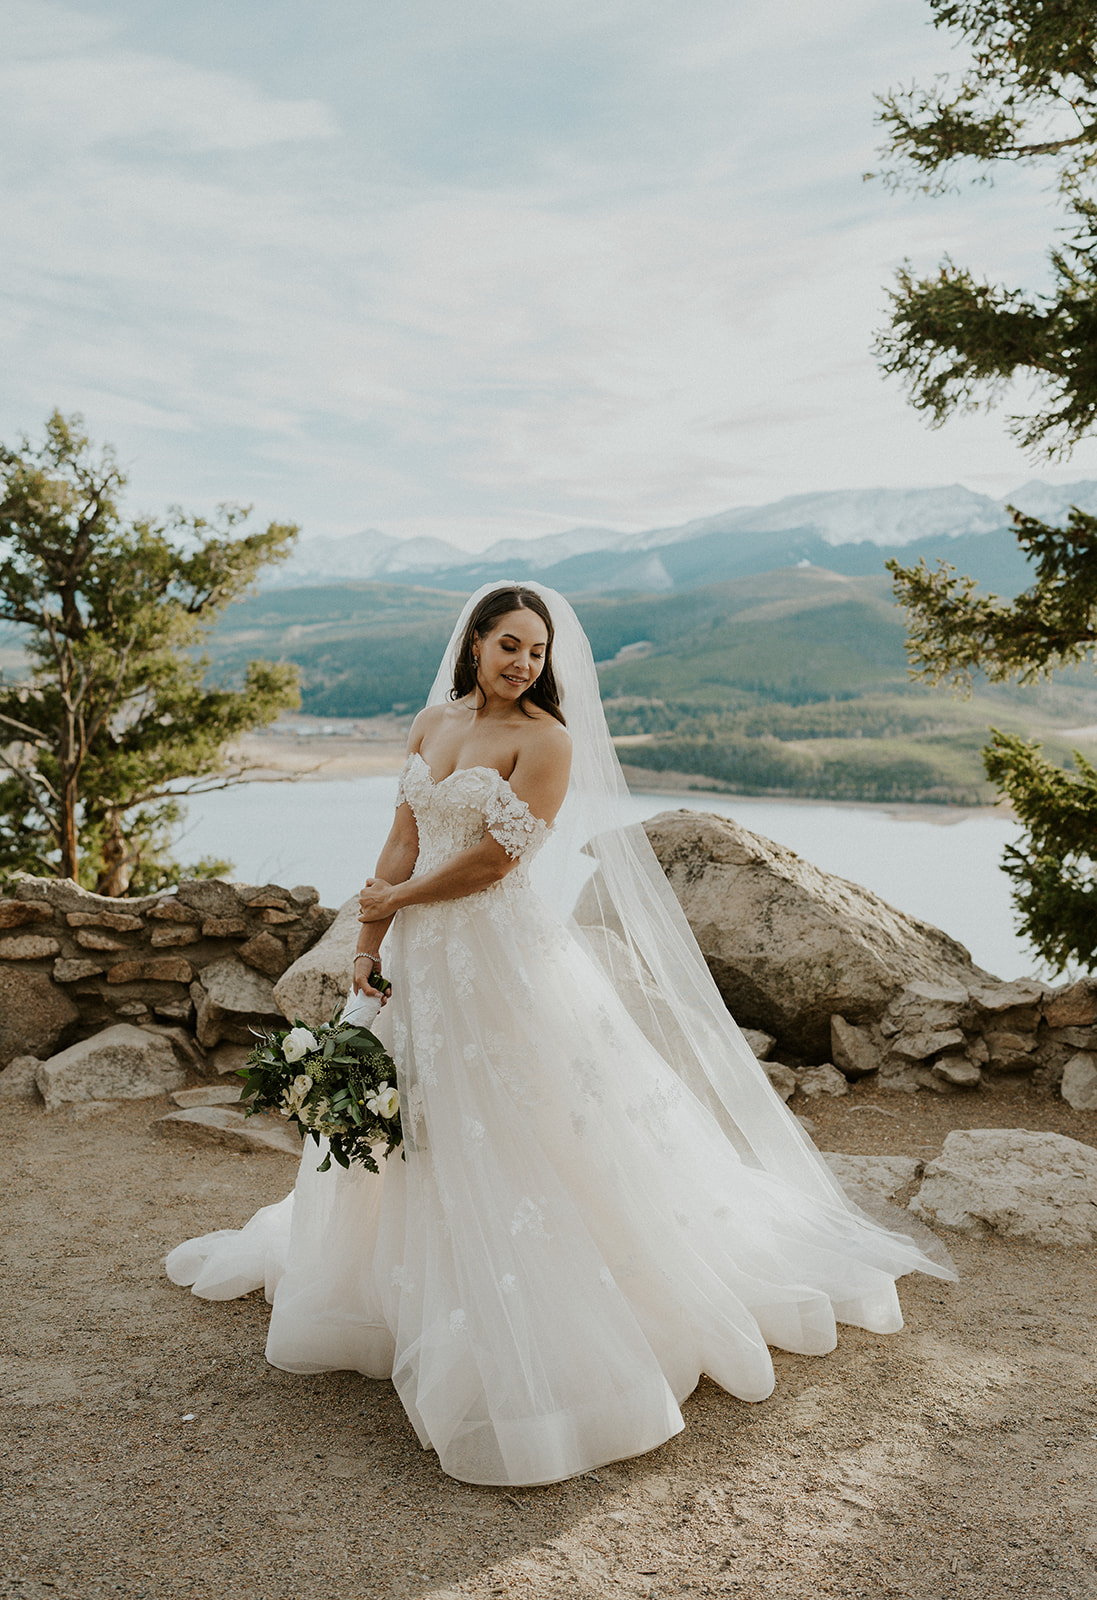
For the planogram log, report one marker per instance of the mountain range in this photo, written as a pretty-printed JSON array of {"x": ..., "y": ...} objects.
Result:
[{"x": 847, "y": 531}]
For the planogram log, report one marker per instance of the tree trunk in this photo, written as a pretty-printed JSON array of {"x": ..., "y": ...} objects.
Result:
[
  {"x": 70, "y": 846},
  {"x": 114, "y": 878}
]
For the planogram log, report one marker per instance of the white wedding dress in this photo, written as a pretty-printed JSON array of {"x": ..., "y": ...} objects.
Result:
[{"x": 572, "y": 1238}]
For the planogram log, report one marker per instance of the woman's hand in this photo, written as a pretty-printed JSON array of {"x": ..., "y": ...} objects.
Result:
[{"x": 377, "y": 901}]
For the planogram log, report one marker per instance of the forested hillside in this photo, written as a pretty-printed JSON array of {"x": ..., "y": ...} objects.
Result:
[{"x": 787, "y": 682}]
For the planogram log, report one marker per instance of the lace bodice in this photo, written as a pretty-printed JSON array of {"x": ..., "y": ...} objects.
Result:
[{"x": 458, "y": 810}]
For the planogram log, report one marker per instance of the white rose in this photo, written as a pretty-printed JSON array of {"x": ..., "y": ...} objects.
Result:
[
  {"x": 297, "y": 1043},
  {"x": 386, "y": 1102},
  {"x": 294, "y": 1096}
]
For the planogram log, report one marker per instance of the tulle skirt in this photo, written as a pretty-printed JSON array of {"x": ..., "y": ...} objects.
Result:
[{"x": 570, "y": 1239}]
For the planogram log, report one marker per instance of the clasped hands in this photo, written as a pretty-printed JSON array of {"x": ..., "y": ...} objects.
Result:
[{"x": 375, "y": 902}]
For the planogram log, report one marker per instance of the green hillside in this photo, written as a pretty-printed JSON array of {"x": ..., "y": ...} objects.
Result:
[{"x": 787, "y": 682}]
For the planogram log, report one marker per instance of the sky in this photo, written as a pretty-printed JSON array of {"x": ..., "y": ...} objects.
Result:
[{"x": 481, "y": 270}]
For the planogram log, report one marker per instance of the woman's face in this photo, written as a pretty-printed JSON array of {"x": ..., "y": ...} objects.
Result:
[{"x": 512, "y": 654}]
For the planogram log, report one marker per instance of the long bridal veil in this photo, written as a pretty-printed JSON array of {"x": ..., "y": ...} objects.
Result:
[{"x": 599, "y": 873}]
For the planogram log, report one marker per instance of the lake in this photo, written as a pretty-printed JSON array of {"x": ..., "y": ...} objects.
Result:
[{"x": 940, "y": 865}]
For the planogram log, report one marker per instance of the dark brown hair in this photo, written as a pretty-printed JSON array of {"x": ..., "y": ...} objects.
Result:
[{"x": 542, "y": 691}]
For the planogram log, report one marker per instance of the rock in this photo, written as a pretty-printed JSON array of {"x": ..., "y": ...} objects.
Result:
[
  {"x": 91, "y": 940},
  {"x": 28, "y": 947},
  {"x": 761, "y": 1044},
  {"x": 181, "y": 1011},
  {"x": 977, "y": 1052},
  {"x": 790, "y": 946},
  {"x": 73, "y": 971},
  {"x": 269, "y": 895},
  {"x": 120, "y": 1063},
  {"x": 218, "y": 1125},
  {"x": 318, "y": 981},
  {"x": 1011, "y": 1052},
  {"x": 216, "y": 1094},
  {"x": 958, "y": 1070},
  {"x": 1038, "y": 1186},
  {"x": 19, "y": 914},
  {"x": 173, "y": 934},
  {"x": 211, "y": 897},
  {"x": 305, "y": 894},
  {"x": 1074, "y": 1007},
  {"x": 934, "y": 994},
  {"x": 903, "y": 1077},
  {"x": 19, "y": 1079},
  {"x": 855, "y": 1054},
  {"x": 156, "y": 969},
  {"x": 1079, "y": 1085},
  {"x": 1080, "y": 1038},
  {"x": 233, "y": 927},
  {"x": 119, "y": 921},
  {"x": 34, "y": 1013},
  {"x": 880, "y": 1175},
  {"x": 782, "y": 1079},
  {"x": 814, "y": 1081},
  {"x": 188, "y": 1052},
  {"x": 172, "y": 911},
  {"x": 1006, "y": 996},
  {"x": 225, "y": 1058},
  {"x": 231, "y": 1000},
  {"x": 266, "y": 954},
  {"x": 920, "y": 1046}
]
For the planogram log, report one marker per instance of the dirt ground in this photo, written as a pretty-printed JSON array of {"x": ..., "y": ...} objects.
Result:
[{"x": 151, "y": 1452}]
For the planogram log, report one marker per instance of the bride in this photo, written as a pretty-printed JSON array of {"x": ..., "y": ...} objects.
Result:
[{"x": 602, "y": 1197}]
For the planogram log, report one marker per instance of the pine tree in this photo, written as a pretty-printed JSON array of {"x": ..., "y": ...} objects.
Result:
[
  {"x": 1029, "y": 96},
  {"x": 111, "y": 723}
]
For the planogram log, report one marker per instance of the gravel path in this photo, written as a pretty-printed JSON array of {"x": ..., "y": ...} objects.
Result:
[{"x": 955, "y": 1459}]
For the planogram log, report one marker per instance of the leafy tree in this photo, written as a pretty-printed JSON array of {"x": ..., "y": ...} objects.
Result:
[
  {"x": 1029, "y": 96},
  {"x": 111, "y": 722}
]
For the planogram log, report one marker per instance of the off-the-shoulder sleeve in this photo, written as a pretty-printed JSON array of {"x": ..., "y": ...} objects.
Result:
[{"x": 512, "y": 824}]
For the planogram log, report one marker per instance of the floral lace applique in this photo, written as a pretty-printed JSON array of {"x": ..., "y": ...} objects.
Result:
[
  {"x": 512, "y": 824},
  {"x": 528, "y": 1218}
]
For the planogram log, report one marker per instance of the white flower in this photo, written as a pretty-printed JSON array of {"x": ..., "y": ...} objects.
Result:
[
  {"x": 297, "y": 1043},
  {"x": 385, "y": 1103},
  {"x": 294, "y": 1096}
]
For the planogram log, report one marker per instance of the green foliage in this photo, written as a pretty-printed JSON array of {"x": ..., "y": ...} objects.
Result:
[
  {"x": 112, "y": 721},
  {"x": 1052, "y": 624},
  {"x": 1056, "y": 872},
  {"x": 1029, "y": 95}
]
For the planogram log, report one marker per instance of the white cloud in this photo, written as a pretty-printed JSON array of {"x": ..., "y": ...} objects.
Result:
[{"x": 638, "y": 298}]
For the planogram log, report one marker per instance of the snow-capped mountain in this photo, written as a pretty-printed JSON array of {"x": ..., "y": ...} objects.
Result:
[{"x": 852, "y": 524}]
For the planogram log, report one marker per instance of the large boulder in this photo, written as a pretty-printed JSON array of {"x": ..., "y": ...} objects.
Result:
[
  {"x": 317, "y": 983},
  {"x": 232, "y": 1001},
  {"x": 791, "y": 946},
  {"x": 1039, "y": 1186},
  {"x": 120, "y": 1063},
  {"x": 34, "y": 1014}
]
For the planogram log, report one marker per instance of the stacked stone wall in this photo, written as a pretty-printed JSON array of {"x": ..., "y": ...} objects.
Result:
[{"x": 203, "y": 958}]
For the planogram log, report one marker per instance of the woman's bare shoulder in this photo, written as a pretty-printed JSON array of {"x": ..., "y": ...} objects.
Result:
[
  {"x": 430, "y": 718},
  {"x": 544, "y": 740}
]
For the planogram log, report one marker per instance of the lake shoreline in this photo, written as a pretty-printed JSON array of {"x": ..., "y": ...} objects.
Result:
[{"x": 321, "y": 749}]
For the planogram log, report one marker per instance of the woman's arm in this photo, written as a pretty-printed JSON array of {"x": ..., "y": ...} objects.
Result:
[
  {"x": 395, "y": 864},
  {"x": 540, "y": 778}
]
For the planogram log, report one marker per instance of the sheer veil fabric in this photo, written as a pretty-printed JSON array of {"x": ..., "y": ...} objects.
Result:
[{"x": 602, "y": 1197}]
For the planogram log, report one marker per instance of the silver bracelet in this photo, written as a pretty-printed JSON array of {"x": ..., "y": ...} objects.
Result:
[{"x": 361, "y": 953}]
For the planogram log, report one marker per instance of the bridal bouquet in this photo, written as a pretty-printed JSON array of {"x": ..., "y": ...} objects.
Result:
[{"x": 335, "y": 1082}]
